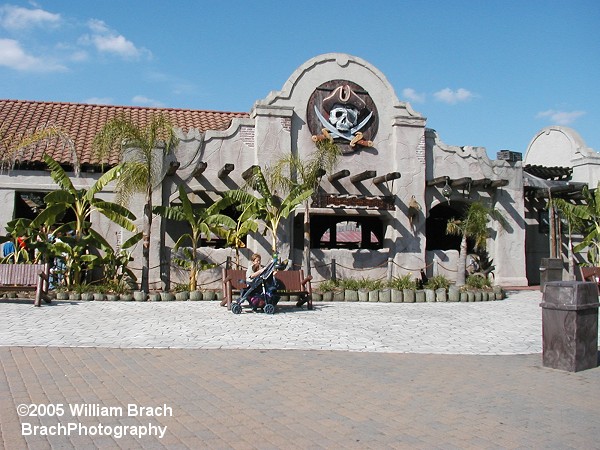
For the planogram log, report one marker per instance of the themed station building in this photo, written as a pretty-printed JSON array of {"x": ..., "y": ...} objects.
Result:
[{"x": 381, "y": 213}]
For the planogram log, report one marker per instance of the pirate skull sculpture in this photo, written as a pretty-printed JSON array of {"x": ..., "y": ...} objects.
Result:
[{"x": 343, "y": 117}]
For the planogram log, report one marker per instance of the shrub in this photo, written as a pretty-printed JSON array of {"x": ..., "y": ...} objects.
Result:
[
  {"x": 478, "y": 282},
  {"x": 404, "y": 282},
  {"x": 328, "y": 286},
  {"x": 438, "y": 282}
]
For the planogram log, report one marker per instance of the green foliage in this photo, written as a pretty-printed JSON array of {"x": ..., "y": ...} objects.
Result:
[
  {"x": 328, "y": 286},
  {"x": 202, "y": 222},
  {"x": 438, "y": 282},
  {"x": 403, "y": 282},
  {"x": 268, "y": 206},
  {"x": 588, "y": 219},
  {"x": 478, "y": 281},
  {"x": 142, "y": 149}
]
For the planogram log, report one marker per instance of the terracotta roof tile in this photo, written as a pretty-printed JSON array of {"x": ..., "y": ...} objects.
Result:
[{"x": 81, "y": 122}]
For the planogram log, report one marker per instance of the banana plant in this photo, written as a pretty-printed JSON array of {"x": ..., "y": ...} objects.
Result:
[
  {"x": 202, "y": 221},
  {"x": 268, "y": 206},
  {"x": 82, "y": 202}
]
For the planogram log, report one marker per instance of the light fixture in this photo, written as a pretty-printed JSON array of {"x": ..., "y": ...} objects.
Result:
[{"x": 447, "y": 191}]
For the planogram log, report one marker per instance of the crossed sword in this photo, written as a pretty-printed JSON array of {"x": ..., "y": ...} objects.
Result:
[{"x": 354, "y": 135}]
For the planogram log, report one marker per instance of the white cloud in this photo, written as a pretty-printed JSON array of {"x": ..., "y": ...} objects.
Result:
[
  {"x": 99, "y": 101},
  {"x": 17, "y": 18},
  {"x": 413, "y": 96},
  {"x": 145, "y": 101},
  {"x": 560, "y": 117},
  {"x": 108, "y": 41},
  {"x": 13, "y": 56},
  {"x": 452, "y": 97}
]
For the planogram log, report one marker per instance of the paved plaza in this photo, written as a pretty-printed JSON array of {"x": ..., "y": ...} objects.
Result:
[{"x": 345, "y": 375}]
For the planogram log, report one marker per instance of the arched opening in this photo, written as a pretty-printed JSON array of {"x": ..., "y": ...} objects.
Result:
[{"x": 436, "y": 223}]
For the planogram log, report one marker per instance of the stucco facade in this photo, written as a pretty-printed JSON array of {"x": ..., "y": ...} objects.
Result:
[{"x": 396, "y": 182}]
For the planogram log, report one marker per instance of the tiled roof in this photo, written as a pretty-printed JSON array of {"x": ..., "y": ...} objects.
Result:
[{"x": 81, "y": 122}]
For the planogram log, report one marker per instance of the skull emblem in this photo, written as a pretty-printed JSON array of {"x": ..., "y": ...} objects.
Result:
[{"x": 343, "y": 117}]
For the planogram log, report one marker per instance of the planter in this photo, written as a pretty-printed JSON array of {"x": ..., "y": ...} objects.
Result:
[
  {"x": 195, "y": 296},
  {"x": 99, "y": 297},
  {"x": 453, "y": 294},
  {"x": 317, "y": 297},
  {"x": 420, "y": 296},
  {"x": 74, "y": 296},
  {"x": 328, "y": 296},
  {"x": 219, "y": 295},
  {"x": 338, "y": 296},
  {"x": 351, "y": 295},
  {"x": 153, "y": 297},
  {"x": 167, "y": 296},
  {"x": 182, "y": 296},
  {"x": 87, "y": 296},
  {"x": 385, "y": 296},
  {"x": 373, "y": 296},
  {"x": 363, "y": 295},
  {"x": 477, "y": 295},
  {"x": 126, "y": 297},
  {"x": 139, "y": 296},
  {"x": 209, "y": 295},
  {"x": 397, "y": 296},
  {"x": 408, "y": 295},
  {"x": 470, "y": 296},
  {"x": 498, "y": 292},
  {"x": 441, "y": 295},
  {"x": 59, "y": 296},
  {"x": 429, "y": 295},
  {"x": 112, "y": 297}
]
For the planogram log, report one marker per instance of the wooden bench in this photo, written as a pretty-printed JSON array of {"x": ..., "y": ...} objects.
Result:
[
  {"x": 26, "y": 277},
  {"x": 291, "y": 282},
  {"x": 590, "y": 274}
]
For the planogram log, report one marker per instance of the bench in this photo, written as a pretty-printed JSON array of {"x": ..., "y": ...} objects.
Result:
[
  {"x": 26, "y": 277},
  {"x": 291, "y": 282},
  {"x": 590, "y": 274}
]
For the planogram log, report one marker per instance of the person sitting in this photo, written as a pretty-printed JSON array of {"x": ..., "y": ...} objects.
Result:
[{"x": 255, "y": 268}]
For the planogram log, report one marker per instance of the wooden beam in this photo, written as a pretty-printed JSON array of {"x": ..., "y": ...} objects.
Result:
[
  {"x": 363, "y": 176},
  {"x": 225, "y": 170},
  {"x": 438, "y": 181},
  {"x": 461, "y": 182},
  {"x": 247, "y": 174},
  {"x": 498, "y": 183},
  {"x": 338, "y": 175},
  {"x": 387, "y": 177},
  {"x": 200, "y": 168},
  {"x": 173, "y": 166},
  {"x": 484, "y": 182}
]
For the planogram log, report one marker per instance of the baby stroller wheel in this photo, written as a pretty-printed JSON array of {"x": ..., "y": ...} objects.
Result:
[
  {"x": 236, "y": 308},
  {"x": 269, "y": 309}
]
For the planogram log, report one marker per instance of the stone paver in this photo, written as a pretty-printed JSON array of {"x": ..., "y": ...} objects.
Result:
[
  {"x": 416, "y": 376},
  {"x": 511, "y": 326}
]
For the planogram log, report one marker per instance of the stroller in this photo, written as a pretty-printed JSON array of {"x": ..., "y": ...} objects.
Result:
[{"x": 261, "y": 293}]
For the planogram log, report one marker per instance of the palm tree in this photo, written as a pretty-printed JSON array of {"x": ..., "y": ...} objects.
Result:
[
  {"x": 142, "y": 149},
  {"x": 308, "y": 173},
  {"x": 269, "y": 206},
  {"x": 472, "y": 226},
  {"x": 202, "y": 221},
  {"x": 569, "y": 213}
]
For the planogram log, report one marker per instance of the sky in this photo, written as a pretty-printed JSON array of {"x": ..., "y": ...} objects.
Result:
[{"x": 487, "y": 73}]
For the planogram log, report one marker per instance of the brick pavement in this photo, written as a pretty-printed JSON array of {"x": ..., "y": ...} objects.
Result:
[{"x": 276, "y": 398}]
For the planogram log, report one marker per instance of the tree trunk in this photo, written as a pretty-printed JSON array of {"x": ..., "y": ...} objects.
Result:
[
  {"x": 306, "y": 248},
  {"x": 147, "y": 227},
  {"x": 461, "y": 266}
]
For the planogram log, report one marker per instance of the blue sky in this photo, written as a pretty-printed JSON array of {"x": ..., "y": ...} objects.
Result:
[{"x": 485, "y": 73}]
